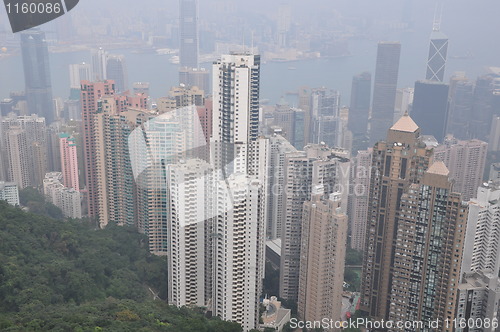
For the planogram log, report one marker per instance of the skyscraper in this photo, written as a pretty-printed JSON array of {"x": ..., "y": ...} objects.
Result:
[
  {"x": 242, "y": 158},
  {"x": 279, "y": 147},
  {"x": 181, "y": 96},
  {"x": 199, "y": 77},
  {"x": 384, "y": 91},
  {"x": 325, "y": 115},
  {"x": 323, "y": 248},
  {"x": 189, "y": 276},
  {"x": 291, "y": 122},
  {"x": 116, "y": 192},
  {"x": 404, "y": 101},
  {"x": 482, "y": 110},
  {"x": 481, "y": 251},
  {"x": 37, "y": 74},
  {"x": 18, "y": 170},
  {"x": 317, "y": 165},
  {"x": 116, "y": 70},
  {"x": 460, "y": 109},
  {"x": 188, "y": 21},
  {"x": 98, "y": 62},
  {"x": 79, "y": 72},
  {"x": 359, "y": 110},
  {"x": 466, "y": 161},
  {"x": 430, "y": 108},
  {"x": 69, "y": 161},
  {"x": 218, "y": 260},
  {"x": 359, "y": 194},
  {"x": 236, "y": 107},
  {"x": 438, "y": 51},
  {"x": 479, "y": 291},
  {"x": 427, "y": 253},
  {"x": 90, "y": 95},
  {"x": 36, "y": 143},
  {"x": 397, "y": 162}
]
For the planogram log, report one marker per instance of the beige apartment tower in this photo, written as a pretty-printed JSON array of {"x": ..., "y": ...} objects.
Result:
[
  {"x": 428, "y": 251},
  {"x": 397, "y": 163},
  {"x": 324, "y": 237}
]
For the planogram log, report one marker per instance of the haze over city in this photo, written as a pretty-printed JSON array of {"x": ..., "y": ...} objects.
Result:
[{"x": 231, "y": 165}]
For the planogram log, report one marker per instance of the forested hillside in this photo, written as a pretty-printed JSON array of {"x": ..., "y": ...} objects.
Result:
[{"x": 67, "y": 276}]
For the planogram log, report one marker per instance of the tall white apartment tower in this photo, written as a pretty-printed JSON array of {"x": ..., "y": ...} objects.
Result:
[
  {"x": 236, "y": 108},
  {"x": 218, "y": 207},
  {"x": 239, "y": 224},
  {"x": 188, "y": 246}
]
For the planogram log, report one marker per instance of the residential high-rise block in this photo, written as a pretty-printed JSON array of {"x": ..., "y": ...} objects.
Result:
[
  {"x": 189, "y": 244},
  {"x": 478, "y": 300},
  {"x": 90, "y": 94},
  {"x": 466, "y": 161},
  {"x": 241, "y": 158},
  {"x": 427, "y": 252},
  {"x": 359, "y": 198},
  {"x": 430, "y": 108},
  {"x": 438, "y": 51},
  {"x": 18, "y": 170},
  {"x": 479, "y": 291},
  {"x": 397, "y": 162},
  {"x": 69, "y": 161},
  {"x": 236, "y": 107},
  {"x": 291, "y": 122},
  {"x": 359, "y": 110},
  {"x": 384, "y": 90},
  {"x": 222, "y": 241},
  {"x": 279, "y": 147},
  {"x": 323, "y": 248},
  {"x": 161, "y": 141},
  {"x": 9, "y": 192},
  {"x": 116, "y": 70},
  {"x": 36, "y": 142},
  {"x": 181, "y": 96},
  {"x": 317, "y": 165},
  {"x": 67, "y": 199},
  {"x": 116, "y": 191},
  {"x": 481, "y": 251},
  {"x": 37, "y": 74}
]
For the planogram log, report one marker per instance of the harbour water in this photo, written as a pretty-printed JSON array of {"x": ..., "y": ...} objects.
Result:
[{"x": 277, "y": 78}]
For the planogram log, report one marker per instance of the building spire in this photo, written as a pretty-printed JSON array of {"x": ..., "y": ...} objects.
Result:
[{"x": 436, "y": 26}]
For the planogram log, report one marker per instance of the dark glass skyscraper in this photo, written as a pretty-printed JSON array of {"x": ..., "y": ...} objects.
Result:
[
  {"x": 438, "y": 51},
  {"x": 188, "y": 55},
  {"x": 360, "y": 103},
  {"x": 384, "y": 91},
  {"x": 116, "y": 70},
  {"x": 37, "y": 74},
  {"x": 430, "y": 108}
]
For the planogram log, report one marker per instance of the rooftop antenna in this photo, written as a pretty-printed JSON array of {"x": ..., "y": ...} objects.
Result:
[
  {"x": 244, "y": 45},
  {"x": 436, "y": 26},
  {"x": 251, "y": 50}
]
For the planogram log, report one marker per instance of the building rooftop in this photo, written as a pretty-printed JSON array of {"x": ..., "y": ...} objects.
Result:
[
  {"x": 406, "y": 124},
  {"x": 438, "y": 168}
]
